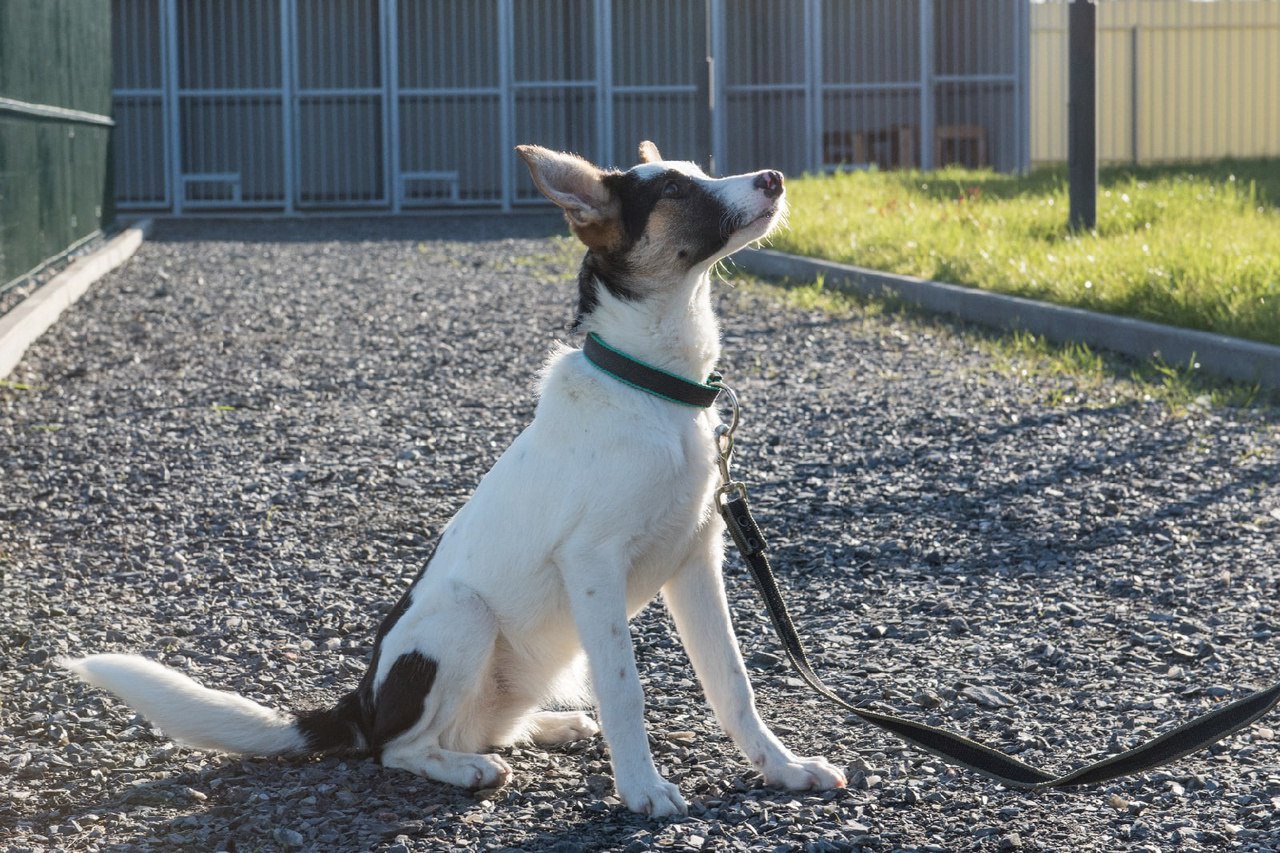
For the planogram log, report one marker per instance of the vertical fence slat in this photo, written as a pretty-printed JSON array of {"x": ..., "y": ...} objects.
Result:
[{"x": 927, "y": 87}]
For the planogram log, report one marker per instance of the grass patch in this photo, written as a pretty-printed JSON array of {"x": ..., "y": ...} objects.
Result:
[
  {"x": 1063, "y": 374},
  {"x": 1103, "y": 378},
  {"x": 1197, "y": 247}
]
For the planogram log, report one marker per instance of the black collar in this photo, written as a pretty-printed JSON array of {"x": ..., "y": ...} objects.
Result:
[{"x": 646, "y": 377}]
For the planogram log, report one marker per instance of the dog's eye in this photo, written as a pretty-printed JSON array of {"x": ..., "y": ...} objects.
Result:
[{"x": 672, "y": 189}]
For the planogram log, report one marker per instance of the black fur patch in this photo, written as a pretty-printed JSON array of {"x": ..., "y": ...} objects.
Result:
[
  {"x": 339, "y": 727},
  {"x": 705, "y": 229},
  {"x": 388, "y": 622},
  {"x": 352, "y": 721},
  {"x": 704, "y": 221},
  {"x": 598, "y": 269},
  {"x": 399, "y": 702}
]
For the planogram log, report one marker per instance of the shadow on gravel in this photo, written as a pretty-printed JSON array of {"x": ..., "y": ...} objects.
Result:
[
  {"x": 334, "y": 802},
  {"x": 469, "y": 227},
  {"x": 1104, "y": 516}
]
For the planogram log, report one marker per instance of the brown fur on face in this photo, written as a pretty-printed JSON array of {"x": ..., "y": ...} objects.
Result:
[
  {"x": 603, "y": 236},
  {"x": 657, "y": 250}
]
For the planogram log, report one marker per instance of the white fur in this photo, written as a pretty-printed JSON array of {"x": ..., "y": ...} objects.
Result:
[
  {"x": 602, "y": 502},
  {"x": 186, "y": 711}
]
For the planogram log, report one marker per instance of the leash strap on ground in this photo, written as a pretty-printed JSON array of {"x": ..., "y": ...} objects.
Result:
[{"x": 958, "y": 749}]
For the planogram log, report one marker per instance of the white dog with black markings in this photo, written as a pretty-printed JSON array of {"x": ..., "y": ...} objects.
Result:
[{"x": 605, "y": 500}]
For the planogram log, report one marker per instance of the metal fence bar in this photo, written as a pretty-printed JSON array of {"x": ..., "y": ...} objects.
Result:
[
  {"x": 604, "y": 79},
  {"x": 389, "y": 12},
  {"x": 393, "y": 104},
  {"x": 928, "y": 116},
  {"x": 716, "y": 51},
  {"x": 813, "y": 90},
  {"x": 173, "y": 111},
  {"x": 1133, "y": 95},
  {"x": 286, "y": 11},
  {"x": 975, "y": 78},
  {"x": 164, "y": 13},
  {"x": 506, "y": 103},
  {"x": 49, "y": 111}
]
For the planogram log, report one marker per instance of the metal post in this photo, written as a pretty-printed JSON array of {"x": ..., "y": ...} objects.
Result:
[
  {"x": 716, "y": 51},
  {"x": 1133, "y": 92},
  {"x": 506, "y": 101},
  {"x": 1082, "y": 118},
  {"x": 603, "y": 14},
  {"x": 926, "y": 85},
  {"x": 288, "y": 23},
  {"x": 173, "y": 107},
  {"x": 390, "y": 15},
  {"x": 1024, "y": 86},
  {"x": 704, "y": 108},
  {"x": 814, "y": 118}
]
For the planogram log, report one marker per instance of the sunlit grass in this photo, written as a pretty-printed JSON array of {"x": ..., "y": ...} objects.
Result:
[
  {"x": 1062, "y": 375},
  {"x": 1195, "y": 246}
]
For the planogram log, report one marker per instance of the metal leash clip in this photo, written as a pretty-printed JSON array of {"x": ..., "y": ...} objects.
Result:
[{"x": 724, "y": 448}]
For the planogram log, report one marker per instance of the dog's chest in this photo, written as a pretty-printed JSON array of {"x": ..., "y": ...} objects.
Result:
[{"x": 680, "y": 508}]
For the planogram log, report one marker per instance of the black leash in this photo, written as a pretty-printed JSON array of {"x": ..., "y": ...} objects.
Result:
[
  {"x": 731, "y": 501},
  {"x": 956, "y": 748}
]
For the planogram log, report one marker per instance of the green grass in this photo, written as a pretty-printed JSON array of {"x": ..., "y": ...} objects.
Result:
[
  {"x": 1194, "y": 246},
  {"x": 1060, "y": 375}
]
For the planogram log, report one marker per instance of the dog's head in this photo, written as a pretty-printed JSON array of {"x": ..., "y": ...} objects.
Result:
[{"x": 658, "y": 221}]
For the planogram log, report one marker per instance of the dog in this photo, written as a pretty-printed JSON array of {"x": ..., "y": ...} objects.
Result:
[{"x": 604, "y": 501}]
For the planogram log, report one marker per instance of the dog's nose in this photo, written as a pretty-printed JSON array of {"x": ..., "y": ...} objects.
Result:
[{"x": 770, "y": 181}]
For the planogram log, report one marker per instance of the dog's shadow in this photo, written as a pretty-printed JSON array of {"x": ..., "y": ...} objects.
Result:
[
  {"x": 349, "y": 802},
  {"x": 230, "y": 803}
]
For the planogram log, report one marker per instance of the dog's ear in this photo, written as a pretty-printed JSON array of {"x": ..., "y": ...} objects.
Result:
[
  {"x": 649, "y": 152},
  {"x": 573, "y": 183}
]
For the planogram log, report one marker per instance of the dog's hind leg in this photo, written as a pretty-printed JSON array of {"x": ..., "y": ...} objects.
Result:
[
  {"x": 553, "y": 728},
  {"x": 434, "y": 707},
  {"x": 464, "y": 769}
]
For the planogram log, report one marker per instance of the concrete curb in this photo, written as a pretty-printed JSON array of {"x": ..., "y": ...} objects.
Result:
[
  {"x": 1233, "y": 358},
  {"x": 20, "y": 327}
]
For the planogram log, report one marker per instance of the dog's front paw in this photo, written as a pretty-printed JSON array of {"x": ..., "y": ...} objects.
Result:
[
  {"x": 655, "y": 798},
  {"x": 804, "y": 774}
]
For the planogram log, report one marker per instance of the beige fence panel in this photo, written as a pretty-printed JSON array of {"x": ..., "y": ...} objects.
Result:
[{"x": 1177, "y": 80}]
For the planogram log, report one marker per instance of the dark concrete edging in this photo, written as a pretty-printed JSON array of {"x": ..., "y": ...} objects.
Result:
[
  {"x": 21, "y": 326},
  {"x": 1233, "y": 358}
]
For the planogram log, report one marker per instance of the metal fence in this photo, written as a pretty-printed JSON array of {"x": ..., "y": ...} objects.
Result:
[
  {"x": 55, "y": 90},
  {"x": 294, "y": 105},
  {"x": 1177, "y": 80}
]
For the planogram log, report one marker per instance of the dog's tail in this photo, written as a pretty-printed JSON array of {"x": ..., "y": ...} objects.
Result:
[{"x": 216, "y": 720}]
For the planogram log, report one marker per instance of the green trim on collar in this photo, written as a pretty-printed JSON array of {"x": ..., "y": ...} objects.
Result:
[{"x": 645, "y": 377}]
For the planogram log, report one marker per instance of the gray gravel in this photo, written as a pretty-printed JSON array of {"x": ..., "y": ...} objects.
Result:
[{"x": 238, "y": 449}]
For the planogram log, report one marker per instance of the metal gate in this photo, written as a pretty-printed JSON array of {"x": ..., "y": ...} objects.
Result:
[
  {"x": 295, "y": 105},
  {"x": 818, "y": 85}
]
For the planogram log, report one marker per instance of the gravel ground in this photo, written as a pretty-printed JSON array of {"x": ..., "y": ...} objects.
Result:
[{"x": 237, "y": 450}]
